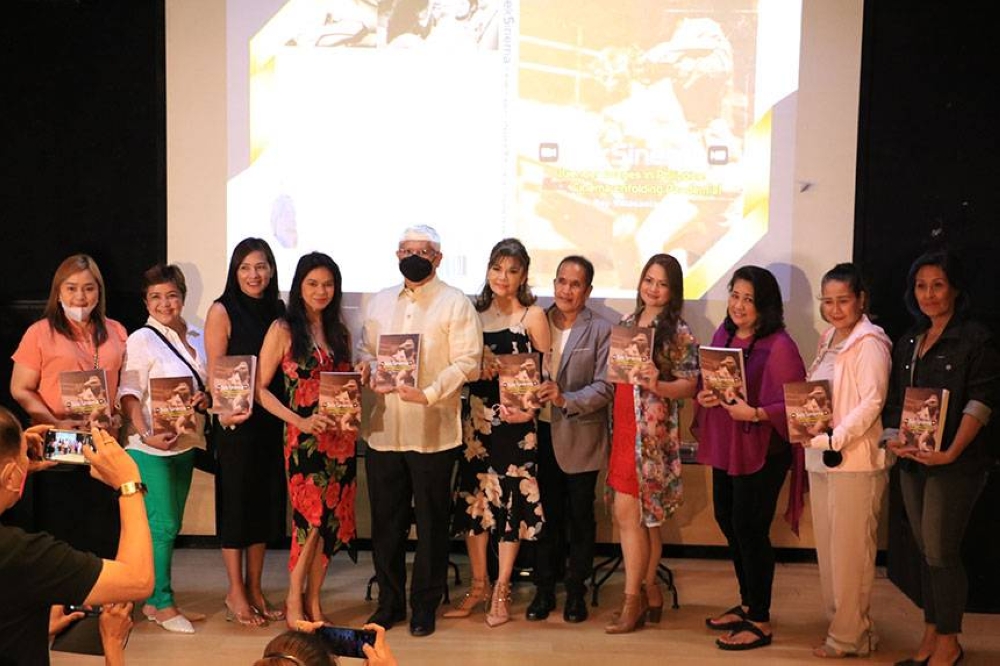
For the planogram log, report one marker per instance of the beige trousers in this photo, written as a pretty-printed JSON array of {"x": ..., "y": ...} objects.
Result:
[{"x": 845, "y": 511}]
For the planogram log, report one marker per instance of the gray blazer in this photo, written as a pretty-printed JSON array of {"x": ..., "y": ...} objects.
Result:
[{"x": 580, "y": 430}]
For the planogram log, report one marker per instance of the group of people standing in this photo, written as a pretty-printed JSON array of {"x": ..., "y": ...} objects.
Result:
[{"x": 527, "y": 473}]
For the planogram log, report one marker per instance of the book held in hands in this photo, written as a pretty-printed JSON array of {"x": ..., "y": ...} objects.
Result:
[
  {"x": 519, "y": 376},
  {"x": 922, "y": 423},
  {"x": 631, "y": 347},
  {"x": 232, "y": 384},
  {"x": 808, "y": 408},
  {"x": 340, "y": 398},
  {"x": 397, "y": 360},
  {"x": 723, "y": 371},
  {"x": 85, "y": 396},
  {"x": 170, "y": 405}
]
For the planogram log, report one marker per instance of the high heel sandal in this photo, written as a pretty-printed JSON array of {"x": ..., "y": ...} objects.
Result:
[
  {"x": 250, "y": 620},
  {"x": 632, "y": 615},
  {"x": 267, "y": 611},
  {"x": 499, "y": 606},
  {"x": 479, "y": 593}
]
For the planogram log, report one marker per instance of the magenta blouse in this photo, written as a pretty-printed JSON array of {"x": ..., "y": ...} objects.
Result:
[{"x": 739, "y": 447}]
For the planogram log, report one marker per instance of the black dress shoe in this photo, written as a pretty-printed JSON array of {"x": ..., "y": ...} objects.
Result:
[
  {"x": 576, "y": 608},
  {"x": 422, "y": 623},
  {"x": 385, "y": 618},
  {"x": 540, "y": 607}
]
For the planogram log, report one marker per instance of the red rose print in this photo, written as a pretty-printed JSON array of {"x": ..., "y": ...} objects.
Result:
[
  {"x": 306, "y": 498},
  {"x": 337, "y": 445}
]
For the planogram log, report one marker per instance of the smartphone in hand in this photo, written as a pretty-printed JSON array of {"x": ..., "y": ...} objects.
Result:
[{"x": 346, "y": 642}]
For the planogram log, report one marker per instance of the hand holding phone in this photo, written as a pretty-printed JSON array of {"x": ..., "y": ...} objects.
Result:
[{"x": 346, "y": 642}]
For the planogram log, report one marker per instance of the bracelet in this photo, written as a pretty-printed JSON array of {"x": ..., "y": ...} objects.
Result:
[
  {"x": 130, "y": 488},
  {"x": 756, "y": 416}
]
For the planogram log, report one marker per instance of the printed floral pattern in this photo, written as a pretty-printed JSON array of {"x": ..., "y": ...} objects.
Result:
[
  {"x": 657, "y": 441},
  {"x": 496, "y": 486},
  {"x": 321, "y": 469}
]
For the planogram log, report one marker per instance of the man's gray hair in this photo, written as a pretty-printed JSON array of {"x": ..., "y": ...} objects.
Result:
[{"x": 422, "y": 232}]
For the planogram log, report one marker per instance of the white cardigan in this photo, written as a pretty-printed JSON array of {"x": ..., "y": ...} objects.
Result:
[{"x": 860, "y": 382}]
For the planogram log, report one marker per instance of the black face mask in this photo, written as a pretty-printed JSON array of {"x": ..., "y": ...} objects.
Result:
[{"x": 415, "y": 268}]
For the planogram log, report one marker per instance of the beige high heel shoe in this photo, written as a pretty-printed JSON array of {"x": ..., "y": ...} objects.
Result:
[
  {"x": 631, "y": 617},
  {"x": 499, "y": 606},
  {"x": 479, "y": 593}
]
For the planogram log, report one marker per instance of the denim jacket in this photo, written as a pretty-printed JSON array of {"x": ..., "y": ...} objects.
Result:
[{"x": 964, "y": 360}]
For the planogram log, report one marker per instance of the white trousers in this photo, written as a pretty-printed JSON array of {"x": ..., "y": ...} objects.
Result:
[{"x": 845, "y": 511}]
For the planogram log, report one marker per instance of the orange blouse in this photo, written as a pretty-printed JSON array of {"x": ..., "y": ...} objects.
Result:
[{"x": 47, "y": 352}]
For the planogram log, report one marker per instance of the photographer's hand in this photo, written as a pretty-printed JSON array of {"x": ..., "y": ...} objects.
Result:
[
  {"x": 379, "y": 654},
  {"x": 115, "y": 624}
]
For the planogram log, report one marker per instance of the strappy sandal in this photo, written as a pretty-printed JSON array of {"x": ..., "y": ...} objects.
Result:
[
  {"x": 250, "y": 619},
  {"x": 713, "y": 622},
  {"x": 267, "y": 611},
  {"x": 762, "y": 639}
]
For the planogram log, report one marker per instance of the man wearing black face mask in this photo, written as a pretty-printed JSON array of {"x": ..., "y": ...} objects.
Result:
[{"x": 415, "y": 429}]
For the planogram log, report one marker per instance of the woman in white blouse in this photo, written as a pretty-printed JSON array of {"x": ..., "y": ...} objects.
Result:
[{"x": 166, "y": 352}]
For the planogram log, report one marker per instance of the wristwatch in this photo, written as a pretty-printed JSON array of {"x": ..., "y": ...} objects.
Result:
[{"x": 130, "y": 488}]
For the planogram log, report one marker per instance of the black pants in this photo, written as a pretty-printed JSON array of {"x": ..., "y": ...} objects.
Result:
[
  {"x": 744, "y": 508},
  {"x": 405, "y": 487},
  {"x": 568, "y": 502}
]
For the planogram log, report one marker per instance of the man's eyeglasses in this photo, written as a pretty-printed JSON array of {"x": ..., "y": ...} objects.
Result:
[{"x": 426, "y": 253}]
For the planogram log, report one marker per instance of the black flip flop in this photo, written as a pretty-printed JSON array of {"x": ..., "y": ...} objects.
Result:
[
  {"x": 762, "y": 638},
  {"x": 727, "y": 626}
]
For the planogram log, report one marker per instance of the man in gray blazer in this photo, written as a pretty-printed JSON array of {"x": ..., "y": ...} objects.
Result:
[{"x": 573, "y": 440}]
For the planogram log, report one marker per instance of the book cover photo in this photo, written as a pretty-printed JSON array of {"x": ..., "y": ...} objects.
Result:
[
  {"x": 519, "y": 376},
  {"x": 723, "y": 372},
  {"x": 922, "y": 423},
  {"x": 170, "y": 405},
  {"x": 340, "y": 399},
  {"x": 808, "y": 408},
  {"x": 630, "y": 348},
  {"x": 85, "y": 396},
  {"x": 397, "y": 360},
  {"x": 232, "y": 384}
]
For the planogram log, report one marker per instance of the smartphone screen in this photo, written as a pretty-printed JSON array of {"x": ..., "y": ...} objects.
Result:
[
  {"x": 66, "y": 446},
  {"x": 345, "y": 642}
]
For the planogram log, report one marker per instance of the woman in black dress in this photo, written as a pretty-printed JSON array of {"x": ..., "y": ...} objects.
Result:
[
  {"x": 496, "y": 488},
  {"x": 250, "y": 483}
]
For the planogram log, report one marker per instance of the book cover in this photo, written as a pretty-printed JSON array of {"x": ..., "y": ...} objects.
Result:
[
  {"x": 630, "y": 349},
  {"x": 808, "y": 408},
  {"x": 170, "y": 405},
  {"x": 922, "y": 423},
  {"x": 722, "y": 371},
  {"x": 85, "y": 396},
  {"x": 519, "y": 376},
  {"x": 232, "y": 384},
  {"x": 340, "y": 398},
  {"x": 397, "y": 361}
]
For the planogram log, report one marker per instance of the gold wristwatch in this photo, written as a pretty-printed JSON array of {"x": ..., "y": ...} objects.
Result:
[{"x": 130, "y": 488}]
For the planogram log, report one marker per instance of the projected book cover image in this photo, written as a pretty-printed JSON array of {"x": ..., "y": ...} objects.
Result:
[
  {"x": 630, "y": 349},
  {"x": 170, "y": 404},
  {"x": 340, "y": 398},
  {"x": 808, "y": 408},
  {"x": 232, "y": 384},
  {"x": 922, "y": 422},
  {"x": 722, "y": 371},
  {"x": 85, "y": 396},
  {"x": 519, "y": 377},
  {"x": 397, "y": 360}
]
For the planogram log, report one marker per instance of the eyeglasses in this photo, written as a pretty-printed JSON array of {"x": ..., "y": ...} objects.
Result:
[{"x": 426, "y": 253}]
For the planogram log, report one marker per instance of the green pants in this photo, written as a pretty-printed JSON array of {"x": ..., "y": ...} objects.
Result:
[{"x": 169, "y": 480}]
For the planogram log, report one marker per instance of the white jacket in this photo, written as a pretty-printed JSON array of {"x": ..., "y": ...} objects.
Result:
[{"x": 860, "y": 382}]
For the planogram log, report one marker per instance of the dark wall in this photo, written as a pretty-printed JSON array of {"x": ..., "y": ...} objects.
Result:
[
  {"x": 83, "y": 159},
  {"x": 927, "y": 175}
]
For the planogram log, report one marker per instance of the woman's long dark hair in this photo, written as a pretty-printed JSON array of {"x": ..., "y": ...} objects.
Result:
[
  {"x": 53, "y": 309},
  {"x": 948, "y": 262},
  {"x": 334, "y": 330},
  {"x": 513, "y": 248},
  {"x": 766, "y": 299},
  {"x": 240, "y": 252},
  {"x": 666, "y": 324}
]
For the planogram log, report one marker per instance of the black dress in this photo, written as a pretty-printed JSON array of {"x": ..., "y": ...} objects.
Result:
[
  {"x": 250, "y": 489},
  {"x": 496, "y": 486}
]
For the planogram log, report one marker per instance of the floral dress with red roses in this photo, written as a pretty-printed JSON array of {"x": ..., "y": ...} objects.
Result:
[{"x": 321, "y": 468}]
